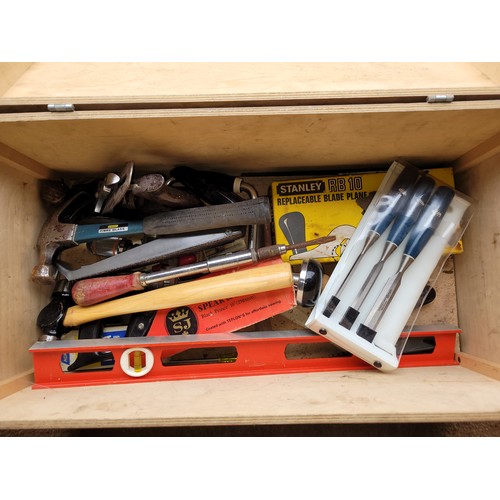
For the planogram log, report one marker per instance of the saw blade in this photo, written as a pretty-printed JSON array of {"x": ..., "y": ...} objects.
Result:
[{"x": 151, "y": 252}]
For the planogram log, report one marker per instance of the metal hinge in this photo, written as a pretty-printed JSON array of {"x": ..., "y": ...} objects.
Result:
[
  {"x": 440, "y": 98},
  {"x": 60, "y": 108}
]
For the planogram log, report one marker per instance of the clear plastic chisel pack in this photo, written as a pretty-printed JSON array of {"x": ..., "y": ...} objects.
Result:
[{"x": 396, "y": 253}]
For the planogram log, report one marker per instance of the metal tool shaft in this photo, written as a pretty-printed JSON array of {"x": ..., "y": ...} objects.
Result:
[
  {"x": 95, "y": 290},
  {"x": 369, "y": 327},
  {"x": 210, "y": 265},
  {"x": 353, "y": 311},
  {"x": 335, "y": 298}
]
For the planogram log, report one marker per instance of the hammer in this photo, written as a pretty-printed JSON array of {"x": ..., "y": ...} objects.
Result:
[
  {"x": 56, "y": 235},
  {"x": 57, "y": 318}
]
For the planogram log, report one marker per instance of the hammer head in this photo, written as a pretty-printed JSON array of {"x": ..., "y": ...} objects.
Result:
[{"x": 54, "y": 237}]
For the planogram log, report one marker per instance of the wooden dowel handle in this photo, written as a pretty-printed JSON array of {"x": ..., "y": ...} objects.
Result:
[
  {"x": 234, "y": 284},
  {"x": 94, "y": 290}
]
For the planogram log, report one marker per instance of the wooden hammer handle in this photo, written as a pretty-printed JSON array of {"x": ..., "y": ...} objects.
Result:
[{"x": 235, "y": 284}]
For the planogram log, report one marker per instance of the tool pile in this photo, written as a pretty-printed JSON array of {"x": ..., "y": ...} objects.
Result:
[
  {"x": 195, "y": 241},
  {"x": 192, "y": 252}
]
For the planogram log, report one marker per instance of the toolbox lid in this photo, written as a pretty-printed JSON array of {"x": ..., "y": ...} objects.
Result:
[
  {"x": 128, "y": 86},
  {"x": 245, "y": 117}
]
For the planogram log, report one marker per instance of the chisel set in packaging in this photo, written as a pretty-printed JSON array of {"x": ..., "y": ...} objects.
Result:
[{"x": 378, "y": 286}]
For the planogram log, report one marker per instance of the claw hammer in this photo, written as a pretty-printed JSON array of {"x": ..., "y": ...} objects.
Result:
[{"x": 56, "y": 235}]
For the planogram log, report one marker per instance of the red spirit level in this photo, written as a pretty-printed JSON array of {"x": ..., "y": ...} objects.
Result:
[{"x": 178, "y": 357}]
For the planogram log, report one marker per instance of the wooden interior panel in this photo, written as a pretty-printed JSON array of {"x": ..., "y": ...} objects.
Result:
[
  {"x": 490, "y": 70},
  {"x": 86, "y": 79},
  {"x": 24, "y": 164},
  {"x": 477, "y": 155},
  {"x": 253, "y": 140},
  {"x": 434, "y": 394},
  {"x": 10, "y": 74},
  {"x": 20, "y": 299},
  {"x": 477, "y": 271}
]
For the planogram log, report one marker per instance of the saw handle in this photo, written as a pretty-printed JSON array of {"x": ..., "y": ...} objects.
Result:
[{"x": 94, "y": 290}]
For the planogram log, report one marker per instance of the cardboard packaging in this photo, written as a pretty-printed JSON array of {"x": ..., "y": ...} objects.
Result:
[{"x": 312, "y": 207}]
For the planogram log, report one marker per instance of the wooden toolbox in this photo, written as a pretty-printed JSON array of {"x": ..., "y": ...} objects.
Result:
[{"x": 64, "y": 120}]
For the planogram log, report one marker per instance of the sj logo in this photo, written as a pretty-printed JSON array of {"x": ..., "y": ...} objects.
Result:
[{"x": 181, "y": 321}]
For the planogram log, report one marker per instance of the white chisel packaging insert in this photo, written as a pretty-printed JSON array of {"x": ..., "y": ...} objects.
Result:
[{"x": 395, "y": 254}]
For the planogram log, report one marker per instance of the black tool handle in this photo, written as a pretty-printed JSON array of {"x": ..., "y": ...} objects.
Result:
[
  {"x": 430, "y": 218},
  {"x": 406, "y": 220},
  {"x": 212, "y": 188},
  {"x": 391, "y": 203}
]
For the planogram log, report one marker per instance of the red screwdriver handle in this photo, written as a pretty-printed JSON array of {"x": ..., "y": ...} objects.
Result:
[{"x": 94, "y": 290}]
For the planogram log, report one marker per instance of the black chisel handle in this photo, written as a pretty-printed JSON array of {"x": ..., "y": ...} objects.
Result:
[
  {"x": 406, "y": 220},
  {"x": 429, "y": 220}
]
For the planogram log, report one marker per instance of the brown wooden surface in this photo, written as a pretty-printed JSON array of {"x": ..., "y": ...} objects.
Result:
[
  {"x": 478, "y": 269},
  {"x": 10, "y": 73},
  {"x": 20, "y": 299},
  {"x": 436, "y": 394},
  {"x": 149, "y": 79},
  {"x": 479, "y": 365},
  {"x": 253, "y": 140}
]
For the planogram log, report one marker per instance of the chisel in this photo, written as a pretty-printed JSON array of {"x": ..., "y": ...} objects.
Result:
[
  {"x": 387, "y": 209},
  {"x": 426, "y": 225},
  {"x": 398, "y": 232}
]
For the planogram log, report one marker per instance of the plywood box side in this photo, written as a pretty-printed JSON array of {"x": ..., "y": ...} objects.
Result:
[
  {"x": 20, "y": 299},
  {"x": 246, "y": 140},
  {"x": 432, "y": 394},
  {"x": 478, "y": 269},
  {"x": 26, "y": 165},
  {"x": 490, "y": 70},
  {"x": 134, "y": 79},
  {"x": 478, "y": 155},
  {"x": 10, "y": 73},
  {"x": 479, "y": 365}
]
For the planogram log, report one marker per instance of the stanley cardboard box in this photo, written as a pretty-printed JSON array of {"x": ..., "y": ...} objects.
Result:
[{"x": 308, "y": 208}]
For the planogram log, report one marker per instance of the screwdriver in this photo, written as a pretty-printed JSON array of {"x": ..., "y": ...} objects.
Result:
[
  {"x": 426, "y": 225},
  {"x": 401, "y": 227},
  {"x": 94, "y": 290},
  {"x": 387, "y": 209}
]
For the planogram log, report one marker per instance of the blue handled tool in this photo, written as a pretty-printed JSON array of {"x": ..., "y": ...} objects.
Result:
[
  {"x": 398, "y": 232},
  {"x": 55, "y": 235},
  {"x": 426, "y": 225},
  {"x": 388, "y": 207}
]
